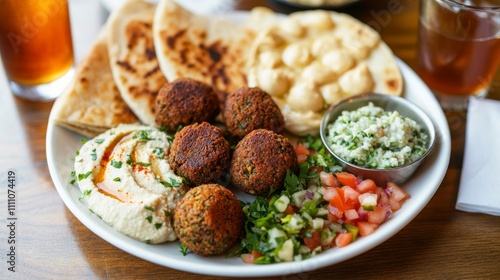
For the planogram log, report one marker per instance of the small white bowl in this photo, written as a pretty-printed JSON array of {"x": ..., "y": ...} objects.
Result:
[{"x": 405, "y": 108}]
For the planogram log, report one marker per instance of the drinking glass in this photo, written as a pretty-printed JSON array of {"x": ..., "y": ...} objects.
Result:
[
  {"x": 36, "y": 47},
  {"x": 458, "y": 48}
]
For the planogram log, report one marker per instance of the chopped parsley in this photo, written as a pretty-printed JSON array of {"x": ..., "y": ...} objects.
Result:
[
  {"x": 184, "y": 249},
  {"x": 93, "y": 154},
  {"x": 150, "y": 219},
  {"x": 84, "y": 176},
  {"x": 158, "y": 225},
  {"x": 144, "y": 164},
  {"x": 149, "y": 208},
  {"x": 84, "y": 194},
  {"x": 117, "y": 179},
  {"x": 171, "y": 184},
  {"x": 116, "y": 164},
  {"x": 158, "y": 151},
  {"x": 98, "y": 140},
  {"x": 143, "y": 135}
]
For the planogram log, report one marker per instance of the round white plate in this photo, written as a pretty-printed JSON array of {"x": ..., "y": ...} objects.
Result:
[{"x": 63, "y": 144}]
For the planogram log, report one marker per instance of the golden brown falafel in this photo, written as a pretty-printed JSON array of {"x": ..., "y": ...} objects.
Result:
[
  {"x": 208, "y": 220},
  {"x": 260, "y": 162},
  {"x": 185, "y": 101},
  {"x": 199, "y": 153},
  {"x": 247, "y": 109}
]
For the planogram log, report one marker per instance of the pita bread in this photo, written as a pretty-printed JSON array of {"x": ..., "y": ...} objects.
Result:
[
  {"x": 207, "y": 49},
  {"x": 133, "y": 58},
  {"x": 312, "y": 59},
  {"x": 92, "y": 104}
]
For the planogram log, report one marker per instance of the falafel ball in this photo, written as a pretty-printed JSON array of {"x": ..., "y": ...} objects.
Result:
[
  {"x": 199, "y": 153},
  {"x": 260, "y": 162},
  {"x": 185, "y": 101},
  {"x": 247, "y": 109},
  {"x": 208, "y": 220}
]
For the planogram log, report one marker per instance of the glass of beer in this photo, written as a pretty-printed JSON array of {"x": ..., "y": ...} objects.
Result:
[
  {"x": 36, "y": 47},
  {"x": 458, "y": 48}
]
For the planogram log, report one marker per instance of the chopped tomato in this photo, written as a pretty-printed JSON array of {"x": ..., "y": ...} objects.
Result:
[
  {"x": 366, "y": 228},
  {"x": 301, "y": 158},
  {"x": 351, "y": 214},
  {"x": 247, "y": 258},
  {"x": 366, "y": 185},
  {"x": 337, "y": 203},
  {"x": 397, "y": 192},
  {"x": 334, "y": 214},
  {"x": 350, "y": 197},
  {"x": 301, "y": 150},
  {"x": 343, "y": 239},
  {"x": 378, "y": 215},
  {"x": 347, "y": 179},
  {"x": 314, "y": 241},
  {"x": 328, "y": 179},
  {"x": 289, "y": 209},
  {"x": 328, "y": 193},
  {"x": 251, "y": 257},
  {"x": 397, "y": 196},
  {"x": 316, "y": 169}
]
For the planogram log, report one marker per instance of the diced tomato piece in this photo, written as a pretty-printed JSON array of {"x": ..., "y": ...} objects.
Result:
[
  {"x": 328, "y": 193},
  {"x": 366, "y": 228},
  {"x": 334, "y": 214},
  {"x": 328, "y": 179},
  {"x": 301, "y": 158},
  {"x": 383, "y": 198},
  {"x": 347, "y": 179},
  {"x": 337, "y": 202},
  {"x": 316, "y": 169},
  {"x": 301, "y": 150},
  {"x": 350, "y": 194},
  {"x": 289, "y": 209},
  {"x": 343, "y": 239},
  {"x": 314, "y": 241},
  {"x": 394, "y": 204},
  {"x": 397, "y": 192},
  {"x": 397, "y": 196},
  {"x": 366, "y": 185},
  {"x": 251, "y": 257},
  {"x": 247, "y": 258},
  {"x": 351, "y": 214},
  {"x": 340, "y": 191},
  {"x": 378, "y": 215}
]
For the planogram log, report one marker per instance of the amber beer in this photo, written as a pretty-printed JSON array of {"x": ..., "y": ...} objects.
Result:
[
  {"x": 35, "y": 40},
  {"x": 458, "y": 52}
]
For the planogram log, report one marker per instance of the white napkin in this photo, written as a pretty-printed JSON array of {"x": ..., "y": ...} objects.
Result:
[{"x": 479, "y": 190}]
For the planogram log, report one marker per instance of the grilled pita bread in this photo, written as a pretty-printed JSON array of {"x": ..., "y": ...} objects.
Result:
[
  {"x": 92, "y": 104},
  {"x": 133, "y": 58},
  {"x": 208, "y": 49}
]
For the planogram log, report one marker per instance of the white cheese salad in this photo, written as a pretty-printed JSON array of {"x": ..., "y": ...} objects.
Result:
[{"x": 374, "y": 138}]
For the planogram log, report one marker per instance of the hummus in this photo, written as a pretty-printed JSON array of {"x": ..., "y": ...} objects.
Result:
[{"x": 125, "y": 179}]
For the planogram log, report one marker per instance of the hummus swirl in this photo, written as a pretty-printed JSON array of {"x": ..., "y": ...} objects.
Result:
[{"x": 125, "y": 179}]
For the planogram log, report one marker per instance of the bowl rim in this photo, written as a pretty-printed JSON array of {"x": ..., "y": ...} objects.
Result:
[{"x": 428, "y": 125}]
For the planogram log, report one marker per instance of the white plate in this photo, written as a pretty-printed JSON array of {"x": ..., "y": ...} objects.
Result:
[{"x": 62, "y": 145}]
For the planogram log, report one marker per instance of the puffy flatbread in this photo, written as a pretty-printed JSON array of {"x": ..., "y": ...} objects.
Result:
[
  {"x": 312, "y": 59},
  {"x": 208, "y": 49},
  {"x": 92, "y": 104},
  {"x": 133, "y": 58}
]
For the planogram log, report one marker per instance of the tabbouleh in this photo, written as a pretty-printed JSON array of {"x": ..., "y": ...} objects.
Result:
[{"x": 374, "y": 138}]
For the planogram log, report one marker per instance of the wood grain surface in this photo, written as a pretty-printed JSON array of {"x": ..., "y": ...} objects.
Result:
[{"x": 440, "y": 243}]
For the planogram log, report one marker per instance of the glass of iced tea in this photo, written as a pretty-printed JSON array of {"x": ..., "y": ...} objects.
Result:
[
  {"x": 36, "y": 47},
  {"x": 458, "y": 48}
]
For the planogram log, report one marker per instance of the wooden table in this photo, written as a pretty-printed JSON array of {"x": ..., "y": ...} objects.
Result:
[{"x": 51, "y": 243}]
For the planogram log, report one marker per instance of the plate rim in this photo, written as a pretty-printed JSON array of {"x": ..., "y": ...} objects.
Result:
[{"x": 330, "y": 257}]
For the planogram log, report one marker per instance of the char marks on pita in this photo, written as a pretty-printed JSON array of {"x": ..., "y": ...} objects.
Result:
[
  {"x": 203, "y": 48},
  {"x": 92, "y": 104},
  {"x": 133, "y": 58}
]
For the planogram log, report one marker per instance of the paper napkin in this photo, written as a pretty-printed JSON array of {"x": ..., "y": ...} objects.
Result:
[{"x": 479, "y": 190}]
